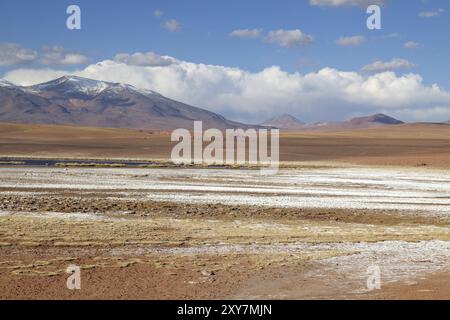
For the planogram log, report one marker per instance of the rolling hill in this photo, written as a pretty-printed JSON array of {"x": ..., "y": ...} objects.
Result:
[
  {"x": 284, "y": 122},
  {"x": 289, "y": 122}
]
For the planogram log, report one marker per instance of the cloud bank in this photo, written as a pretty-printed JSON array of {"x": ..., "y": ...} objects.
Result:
[
  {"x": 394, "y": 64},
  {"x": 12, "y": 54},
  {"x": 56, "y": 55},
  {"x": 328, "y": 94},
  {"x": 148, "y": 59}
]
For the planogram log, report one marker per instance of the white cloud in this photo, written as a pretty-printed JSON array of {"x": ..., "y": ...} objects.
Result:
[
  {"x": 56, "y": 55},
  {"x": 246, "y": 33},
  {"x": 436, "y": 114},
  {"x": 412, "y": 45},
  {"x": 158, "y": 13},
  {"x": 172, "y": 25},
  {"x": 351, "y": 41},
  {"x": 381, "y": 66},
  {"x": 393, "y": 35},
  {"x": 431, "y": 14},
  {"x": 254, "y": 96},
  {"x": 28, "y": 77},
  {"x": 148, "y": 59},
  {"x": 345, "y": 3},
  {"x": 15, "y": 54},
  {"x": 289, "y": 38}
]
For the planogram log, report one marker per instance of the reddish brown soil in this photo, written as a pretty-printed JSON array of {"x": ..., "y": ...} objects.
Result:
[{"x": 402, "y": 145}]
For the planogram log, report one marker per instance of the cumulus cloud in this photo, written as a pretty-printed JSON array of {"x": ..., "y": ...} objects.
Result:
[
  {"x": 148, "y": 59},
  {"x": 345, "y": 3},
  {"x": 380, "y": 66},
  {"x": 29, "y": 77},
  {"x": 289, "y": 38},
  {"x": 351, "y": 41},
  {"x": 246, "y": 33},
  {"x": 15, "y": 54},
  {"x": 432, "y": 114},
  {"x": 431, "y": 14},
  {"x": 328, "y": 94},
  {"x": 412, "y": 45},
  {"x": 281, "y": 37},
  {"x": 172, "y": 25},
  {"x": 56, "y": 55}
]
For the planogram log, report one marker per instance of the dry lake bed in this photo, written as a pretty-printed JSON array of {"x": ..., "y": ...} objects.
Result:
[{"x": 313, "y": 232}]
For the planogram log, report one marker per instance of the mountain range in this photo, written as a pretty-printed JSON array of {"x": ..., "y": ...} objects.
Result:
[
  {"x": 77, "y": 101},
  {"x": 289, "y": 122}
]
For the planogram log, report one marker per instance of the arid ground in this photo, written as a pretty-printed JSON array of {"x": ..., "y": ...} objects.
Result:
[
  {"x": 343, "y": 202},
  {"x": 402, "y": 145}
]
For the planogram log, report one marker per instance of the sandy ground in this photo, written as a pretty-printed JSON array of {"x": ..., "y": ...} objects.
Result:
[
  {"x": 308, "y": 233},
  {"x": 413, "y": 145}
]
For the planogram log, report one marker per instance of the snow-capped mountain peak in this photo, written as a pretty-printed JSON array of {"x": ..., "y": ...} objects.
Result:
[
  {"x": 72, "y": 100},
  {"x": 89, "y": 87},
  {"x": 119, "y": 87},
  {"x": 72, "y": 84}
]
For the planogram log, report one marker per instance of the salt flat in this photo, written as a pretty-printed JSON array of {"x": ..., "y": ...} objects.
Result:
[
  {"x": 424, "y": 191},
  {"x": 303, "y": 233}
]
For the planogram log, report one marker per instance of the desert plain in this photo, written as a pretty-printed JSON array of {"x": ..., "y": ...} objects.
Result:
[{"x": 342, "y": 203}]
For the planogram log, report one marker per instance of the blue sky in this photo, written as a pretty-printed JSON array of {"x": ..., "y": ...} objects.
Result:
[{"x": 203, "y": 37}]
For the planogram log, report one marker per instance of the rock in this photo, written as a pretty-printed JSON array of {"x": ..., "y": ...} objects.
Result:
[{"x": 208, "y": 273}]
